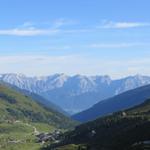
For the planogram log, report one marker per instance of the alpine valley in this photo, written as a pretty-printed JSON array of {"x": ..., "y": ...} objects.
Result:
[
  {"x": 32, "y": 115},
  {"x": 30, "y": 121},
  {"x": 75, "y": 93}
]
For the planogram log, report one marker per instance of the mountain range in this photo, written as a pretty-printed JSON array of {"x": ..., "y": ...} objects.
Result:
[
  {"x": 119, "y": 102},
  {"x": 22, "y": 114},
  {"x": 75, "y": 93}
]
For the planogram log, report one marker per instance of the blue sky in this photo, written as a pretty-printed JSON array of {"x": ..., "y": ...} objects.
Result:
[{"x": 91, "y": 37}]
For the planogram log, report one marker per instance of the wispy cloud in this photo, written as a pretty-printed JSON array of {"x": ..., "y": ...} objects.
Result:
[
  {"x": 58, "y": 23},
  {"x": 72, "y": 64},
  {"x": 38, "y": 64},
  {"x": 38, "y": 31},
  {"x": 63, "y": 47},
  {"x": 61, "y": 26},
  {"x": 116, "y": 45},
  {"x": 33, "y": 29},
  {"x": 27, "y": 24},
  {"x": 28, "y": 32},
  {"x": 32, "y": 58},
  {"x": 122, "y": 25}
]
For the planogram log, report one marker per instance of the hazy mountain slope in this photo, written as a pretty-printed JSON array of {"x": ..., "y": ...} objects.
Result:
[
  {"x": 16, "y": 106},
  {"x": 116, "y": 103},
  {"x": 37, "y": 98},
  {"x": 75, "y": 93},
  {"x": 44, "y": 101},
  {"x": 127, "y": 130}
]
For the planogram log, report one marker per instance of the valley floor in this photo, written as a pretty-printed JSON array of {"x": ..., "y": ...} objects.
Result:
[{"x": 21, "y": 136}]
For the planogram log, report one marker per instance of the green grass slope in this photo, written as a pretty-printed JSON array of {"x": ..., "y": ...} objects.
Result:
[
  {"x": 124, "y": 130},
  {"x": 39, "y": 99},
  {"x": 14, "y": 105},
  {"x": 20, "y": 116}
]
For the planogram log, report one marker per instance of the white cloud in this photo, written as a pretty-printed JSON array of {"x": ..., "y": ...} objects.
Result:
[
  {"x": 37, "y": 64},
  {"x": 63, "y": 47},
  {"x": 116, "y": 45},
  {"x": 122, "y": 25},
  {"x": 32, "y": 29},
  {"x": 29, "y": 29},
  {"x": 37, "y": 31},
  {"x": 27, "y": 24},
  {"x": 72, "y": 64},
  {"x": 28, "y": 32},
  {"x": 63, "y": 22}
]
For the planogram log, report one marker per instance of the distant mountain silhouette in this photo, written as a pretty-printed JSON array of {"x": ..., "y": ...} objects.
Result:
[
  {"x": 75, "y": 93},
  {"x": 120, "y": 102}
]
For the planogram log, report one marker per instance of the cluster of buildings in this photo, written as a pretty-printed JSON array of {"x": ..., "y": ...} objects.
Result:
[{"x": 49, "y": 137}]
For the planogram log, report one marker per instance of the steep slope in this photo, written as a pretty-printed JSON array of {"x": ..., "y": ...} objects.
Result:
[
  {"x": 39, "y": 99},
  {"x": 123, "y": 101},
  {"x": 16, "y": 106},
  {"x": 125, "y": 130},
  {"x": 75, "y": 93}
]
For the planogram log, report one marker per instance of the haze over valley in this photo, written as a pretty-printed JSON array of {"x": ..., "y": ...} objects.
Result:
[{"x": 75, "y": 93}]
